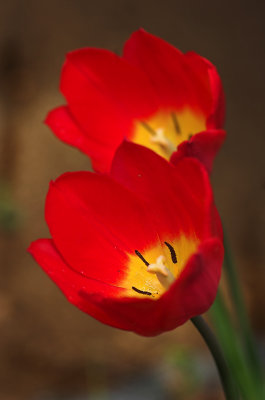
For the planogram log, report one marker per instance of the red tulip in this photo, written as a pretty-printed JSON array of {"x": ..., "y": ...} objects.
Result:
[
  {"x": 139, "y": 249},
  {"x": 153, "y": 95}
]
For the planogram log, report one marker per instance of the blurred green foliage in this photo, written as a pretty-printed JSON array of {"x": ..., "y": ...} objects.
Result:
[
  {"x": 187, "y": 366},
  {"x": 244, "y": 372}
]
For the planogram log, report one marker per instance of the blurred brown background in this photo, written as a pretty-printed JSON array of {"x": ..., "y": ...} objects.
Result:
[{"x": 47, "y": 347}]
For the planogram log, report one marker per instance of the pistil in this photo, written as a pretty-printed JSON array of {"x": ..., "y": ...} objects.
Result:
[
  {"x": 164, "y": 275},
  {"x": 158, "y": 137}
]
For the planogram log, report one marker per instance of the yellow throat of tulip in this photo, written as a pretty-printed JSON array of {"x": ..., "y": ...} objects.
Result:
[
  {"x": 152, "y": 271},
  {"x": 165, "y": 130}
]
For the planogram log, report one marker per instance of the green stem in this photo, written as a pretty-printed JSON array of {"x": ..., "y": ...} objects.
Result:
[
  {"x": 216, "y": 351},
  {"x": 240, "y": 309}
]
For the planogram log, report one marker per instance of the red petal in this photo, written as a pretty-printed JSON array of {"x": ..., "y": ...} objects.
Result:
[
  {"x": 204, "y": 146},
  {"x": 122, "y": 84},
  {"x": 207, "y": 72},
  {"x": 180, "y": 199},
  {"x": 94, "y": 222},
  {"x": 70, "y": 282},
  {"x": 196, "y": 288},
  {"x": 217, "y": 116},
  {"x": 105, "y": 94},
  {"x": 66, "y": 128},
  {"x": 180, "y": 80}
]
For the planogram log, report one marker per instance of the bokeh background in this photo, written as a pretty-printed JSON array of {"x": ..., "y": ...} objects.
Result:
[{"x": 49, "y": 349}]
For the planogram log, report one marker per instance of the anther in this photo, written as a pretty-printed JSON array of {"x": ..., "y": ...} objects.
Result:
[
  {"x": 141, "y": 257},
  {"x": 176, "y": 123},
  {"x": 172, "y": 252},
  {"x": 148, "y": 128},
  {"x": 141, "y": 291}
]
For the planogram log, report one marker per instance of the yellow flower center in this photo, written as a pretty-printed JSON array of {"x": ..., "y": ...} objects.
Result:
[
  {"x": 150, "y": 272},
  {"x": 165, "y": 130}
]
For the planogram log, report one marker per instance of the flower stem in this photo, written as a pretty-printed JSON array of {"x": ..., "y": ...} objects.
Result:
[
  {"x": 240, "y": 309},
  {"x": 214, "y": 347}
]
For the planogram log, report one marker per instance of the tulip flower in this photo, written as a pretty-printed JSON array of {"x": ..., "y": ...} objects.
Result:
[
  {"x": 153, "y": 95},
  {"x": 140, "y": 248}
]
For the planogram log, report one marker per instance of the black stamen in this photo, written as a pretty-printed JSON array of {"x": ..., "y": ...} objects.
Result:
[
  {"x": 190, "y": 136},
  {"x": 141, "y": 291},
  {"x": 148, "y": 128},
  {"x": 141, "y": 257},
  {"x": 176, "y": 123},
  {"x": 172, "y": 253}
]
